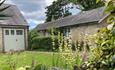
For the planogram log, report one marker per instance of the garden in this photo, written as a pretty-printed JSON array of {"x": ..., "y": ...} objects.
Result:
[
  {"x": 96, "y": 52},
  {"x": 10, "y": 61}
]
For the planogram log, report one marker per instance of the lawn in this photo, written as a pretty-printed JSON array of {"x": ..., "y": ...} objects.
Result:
[{"x": 25, "y": 59}]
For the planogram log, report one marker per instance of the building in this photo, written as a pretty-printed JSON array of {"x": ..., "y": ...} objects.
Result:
[
  {"x": 13, "y": 30},
  {"x": 84, "y": 23}
]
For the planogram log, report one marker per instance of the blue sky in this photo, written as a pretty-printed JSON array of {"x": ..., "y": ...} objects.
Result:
[{"x": 33, "y": 10}]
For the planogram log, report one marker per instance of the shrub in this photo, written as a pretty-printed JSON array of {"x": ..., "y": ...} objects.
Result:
[
  {"x": 32, "y": 35},
  {"x": 44, "y": 43},
  {"x": 103, "y": 55}
]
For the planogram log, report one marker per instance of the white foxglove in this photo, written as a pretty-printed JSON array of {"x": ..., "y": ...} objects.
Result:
[{"x": 110, "y": 26}]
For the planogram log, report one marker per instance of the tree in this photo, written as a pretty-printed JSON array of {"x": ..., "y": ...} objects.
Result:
[
  {"x": 58, "y": 9},
  {"x": 85, "y": 5},
  {"x": 110, "y": 6}
]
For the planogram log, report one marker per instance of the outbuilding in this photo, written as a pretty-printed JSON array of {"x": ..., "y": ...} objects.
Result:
[
  {"x": 13, "y": 30},
  {"x": 76, "y": 26}
]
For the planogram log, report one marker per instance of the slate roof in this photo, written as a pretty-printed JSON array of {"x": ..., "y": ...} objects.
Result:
[
  {"x": 14, "y": 16},
  {"x": 81, "y": 18}
]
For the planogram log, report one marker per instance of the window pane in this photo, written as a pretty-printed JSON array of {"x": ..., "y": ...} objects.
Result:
[
  {"x": 19, "y": 32},
  {"x": 66, "y": 32},
  {"x": 6, "y": 32},
  {"x": 12, "y": 32}
]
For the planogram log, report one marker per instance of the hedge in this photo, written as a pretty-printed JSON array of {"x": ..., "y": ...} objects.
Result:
[{"x": 44, "y": 43}]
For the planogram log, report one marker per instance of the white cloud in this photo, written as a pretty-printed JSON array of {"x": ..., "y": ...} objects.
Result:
[
  {"x": 33, "y": 23},
  {"x": 34, "y": 13},
  {"x": 49, "y": 2}
]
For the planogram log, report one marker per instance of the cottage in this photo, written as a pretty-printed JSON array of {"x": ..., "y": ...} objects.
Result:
[
  {"x": 84, "y": 23},
  {"x": 13, "y": 30}
]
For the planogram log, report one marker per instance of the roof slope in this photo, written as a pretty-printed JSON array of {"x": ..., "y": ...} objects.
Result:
[
  {"x": 81, "y": 18},
  {"x": 15, "y": 16}
]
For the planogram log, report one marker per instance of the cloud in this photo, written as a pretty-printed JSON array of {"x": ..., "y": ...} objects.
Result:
[
  {"x": 33, "y": 10},
  {"x": 49, "y": 2},
  {"x": 36, "y": 15},
  {"x": 33, "y": 23}
]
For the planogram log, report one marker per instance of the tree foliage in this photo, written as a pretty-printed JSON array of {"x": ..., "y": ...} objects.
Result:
[
  {"x": 85, "y": 5},
  {"x": 58, "y": 9},
  {"x": 110, "y": 6}
]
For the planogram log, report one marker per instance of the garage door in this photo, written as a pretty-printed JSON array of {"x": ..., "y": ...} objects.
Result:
[{"x": 14, "y": 39}]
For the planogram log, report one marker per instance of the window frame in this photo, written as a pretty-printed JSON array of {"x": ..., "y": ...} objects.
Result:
[
  {"x": 19, "y": 32},
  {"x": 7, "y": 32},
  {"x": 13, "y": 32}
]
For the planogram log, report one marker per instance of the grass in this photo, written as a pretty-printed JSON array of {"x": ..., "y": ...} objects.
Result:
[{"x": 25, "y": 59}]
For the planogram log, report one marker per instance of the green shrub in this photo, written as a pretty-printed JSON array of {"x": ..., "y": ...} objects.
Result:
[
  {"x": 32, "y": 35},
  {"x": 102, "y": 56},
  {"x": 44, "y": 43}
]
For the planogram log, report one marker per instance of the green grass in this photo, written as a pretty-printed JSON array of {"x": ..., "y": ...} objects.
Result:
[{"x": 25, "y": 59}]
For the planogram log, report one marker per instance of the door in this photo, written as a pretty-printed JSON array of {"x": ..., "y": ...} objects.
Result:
[{"x": 14, "y": 39}]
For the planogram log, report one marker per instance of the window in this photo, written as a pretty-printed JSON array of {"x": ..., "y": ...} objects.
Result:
[
  {"x": 12, "y": 32},
  {"x": 19, "y": 32},
  {"x": 6, "y": 32},
  {"x": 66, "y": 31}
]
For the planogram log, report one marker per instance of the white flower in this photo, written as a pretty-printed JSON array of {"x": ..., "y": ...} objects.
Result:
[
  {"x": 21, "y": 68},
  {"x": 27, "y": 66},
  {"x": 110, "y": 26},
  {"x": 103, "y": 62}
]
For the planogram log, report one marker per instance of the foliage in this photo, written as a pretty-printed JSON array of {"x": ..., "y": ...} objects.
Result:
[
  {"x": 80, "y": 46},
  {"x": 24, "y": 68},
  {"x": 85, "y": 5},
  {"x": 60, "y": 8},
  {"x": 67, "y": 55},
  {"x": 110, "y": 6},
  {"x": 40, "y": 67},
  {"x": 44, "y": 43},
  {"x": 103, "y": 55},
  {"x": 57, "y": 10},
  {"x": 67, "y": 58},
  {"x": 32, "y": 35},
  {"x": 24, "y": 59}
]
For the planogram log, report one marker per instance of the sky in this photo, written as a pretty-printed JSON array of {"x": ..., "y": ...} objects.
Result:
[{"x": 33, "y": 10}]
